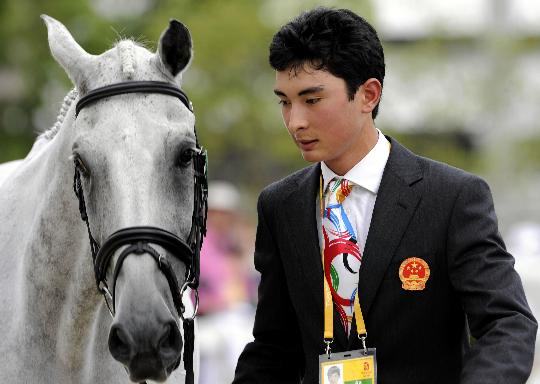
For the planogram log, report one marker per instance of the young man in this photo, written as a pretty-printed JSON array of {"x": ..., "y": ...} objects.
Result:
[{"x": 415, "y": 240}]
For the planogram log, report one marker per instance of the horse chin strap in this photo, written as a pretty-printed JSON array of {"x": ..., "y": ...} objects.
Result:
[{"x": 138, "y": 240}]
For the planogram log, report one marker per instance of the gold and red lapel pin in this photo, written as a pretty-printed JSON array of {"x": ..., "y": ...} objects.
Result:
[{"x": 414, "y": 273}]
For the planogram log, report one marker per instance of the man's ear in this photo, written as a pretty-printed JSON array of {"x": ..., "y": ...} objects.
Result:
[{"x": 369, "y": 94}]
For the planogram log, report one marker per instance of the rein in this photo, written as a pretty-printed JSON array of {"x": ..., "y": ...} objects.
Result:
[{"x": 139, "y": 239}]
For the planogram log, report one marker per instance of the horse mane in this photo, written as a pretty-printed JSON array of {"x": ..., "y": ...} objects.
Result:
[{"x": 50, "y": 133}]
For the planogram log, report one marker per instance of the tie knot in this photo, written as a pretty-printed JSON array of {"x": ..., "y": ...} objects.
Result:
[{"x": 340, "y": 188}]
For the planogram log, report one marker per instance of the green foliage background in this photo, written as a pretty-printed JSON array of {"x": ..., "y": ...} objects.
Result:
[{"x": 229, "y": 81}]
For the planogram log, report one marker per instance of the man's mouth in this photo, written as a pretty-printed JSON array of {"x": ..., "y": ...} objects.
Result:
[{"x": 306, "y": 145}]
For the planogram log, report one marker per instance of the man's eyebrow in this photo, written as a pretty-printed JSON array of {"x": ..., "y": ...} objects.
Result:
[
  {"x": 310, "y": 90},
  {"x": 303, "y": 92}
]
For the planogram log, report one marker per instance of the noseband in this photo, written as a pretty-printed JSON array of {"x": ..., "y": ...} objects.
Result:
[{"x": 138, "y": 240}]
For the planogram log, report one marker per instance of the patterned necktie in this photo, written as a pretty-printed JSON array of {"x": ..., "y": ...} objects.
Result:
[{"x": 342, "y": 257}]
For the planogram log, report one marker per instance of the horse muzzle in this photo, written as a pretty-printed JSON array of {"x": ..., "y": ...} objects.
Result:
[
  {"x": 150, "y": 352},
  {"x": 145, "y": 335}
]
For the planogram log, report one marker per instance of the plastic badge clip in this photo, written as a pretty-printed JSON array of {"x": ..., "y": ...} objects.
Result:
[
  {"x": 328, "y": 350},
  {"x": 363, "y": 339}
]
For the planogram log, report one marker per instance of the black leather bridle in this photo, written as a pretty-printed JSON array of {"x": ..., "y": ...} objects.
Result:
[{"x": 138, "y": 240}]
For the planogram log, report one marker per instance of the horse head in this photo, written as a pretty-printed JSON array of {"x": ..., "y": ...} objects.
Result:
[{"x": 138, "y": 175}]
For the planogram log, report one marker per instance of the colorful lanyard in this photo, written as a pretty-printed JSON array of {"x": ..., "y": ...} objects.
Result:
[{"x": 328, "y": 303}]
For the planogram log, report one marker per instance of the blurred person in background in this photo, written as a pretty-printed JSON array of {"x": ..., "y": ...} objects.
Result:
[
  {"x": 226, "y": 287},
  {"x": 441, "y": 300}
]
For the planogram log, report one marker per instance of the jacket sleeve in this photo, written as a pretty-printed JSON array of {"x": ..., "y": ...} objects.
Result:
[
  {"x": 501, "y": 325},
  {"x": 275, "y": 355}
]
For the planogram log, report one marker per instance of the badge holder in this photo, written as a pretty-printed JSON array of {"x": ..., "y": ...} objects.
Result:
[{"x": 351, "y": 367}]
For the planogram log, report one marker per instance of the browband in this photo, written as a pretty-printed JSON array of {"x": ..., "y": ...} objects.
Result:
[{"x": 133, "y": 87}]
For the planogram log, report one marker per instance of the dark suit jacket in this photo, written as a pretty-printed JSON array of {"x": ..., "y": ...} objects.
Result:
[{"x": 471, "y": 324}]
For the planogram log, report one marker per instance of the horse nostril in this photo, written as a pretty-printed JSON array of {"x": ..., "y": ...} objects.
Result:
[
  {"x": 119, "y": 344},
  {"x": 170, "y": 342}
]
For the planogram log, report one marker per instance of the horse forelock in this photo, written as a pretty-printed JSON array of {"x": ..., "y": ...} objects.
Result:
[{"x": 126, "y": 53}]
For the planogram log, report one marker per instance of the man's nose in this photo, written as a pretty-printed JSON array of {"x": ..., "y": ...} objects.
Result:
[{"x": 297, "y": 119}]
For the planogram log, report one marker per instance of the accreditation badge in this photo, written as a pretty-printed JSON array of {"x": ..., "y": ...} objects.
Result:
[{"x": 351, "y": 367}]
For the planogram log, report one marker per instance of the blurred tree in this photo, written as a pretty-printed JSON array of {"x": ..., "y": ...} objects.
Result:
[{"x": 229, "y": 81}]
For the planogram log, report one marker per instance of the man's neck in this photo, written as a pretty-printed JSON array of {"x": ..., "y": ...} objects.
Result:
[{"x": 365, "y": 145}]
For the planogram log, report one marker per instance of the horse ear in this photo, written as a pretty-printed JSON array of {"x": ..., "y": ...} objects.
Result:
[
  {"x": 175, "y": 48},
  {"x": 66, "y": 51}
]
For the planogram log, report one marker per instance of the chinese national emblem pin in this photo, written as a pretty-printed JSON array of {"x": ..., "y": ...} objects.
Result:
[{"x": 413, "y": 273}]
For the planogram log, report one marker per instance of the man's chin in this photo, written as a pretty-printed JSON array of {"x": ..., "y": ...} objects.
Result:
[{"x": 312, "y": 156}]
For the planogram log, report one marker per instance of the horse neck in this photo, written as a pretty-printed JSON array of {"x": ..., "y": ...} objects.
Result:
[{"x": 59, "y": 301}]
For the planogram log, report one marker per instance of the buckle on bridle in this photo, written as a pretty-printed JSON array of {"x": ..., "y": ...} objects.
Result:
[{"x": 184, "y": 288}]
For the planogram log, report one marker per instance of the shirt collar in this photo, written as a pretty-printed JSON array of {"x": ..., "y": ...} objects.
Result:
[{"x": 368, "y": 172}]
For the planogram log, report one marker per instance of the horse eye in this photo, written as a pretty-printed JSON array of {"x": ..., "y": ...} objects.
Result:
[
  {"x": 185, "y": 157},
  {"x": 79, "y": 164}
]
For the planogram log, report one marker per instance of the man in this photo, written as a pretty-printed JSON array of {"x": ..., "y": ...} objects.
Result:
[{"x": 417, "y": 240}]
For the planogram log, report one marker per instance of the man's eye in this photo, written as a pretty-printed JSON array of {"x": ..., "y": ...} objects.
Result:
[
  {"x": 313, "y": 101},
  {"x": 283, "y": 102}
]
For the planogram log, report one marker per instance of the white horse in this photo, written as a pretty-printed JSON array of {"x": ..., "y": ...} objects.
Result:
[{"x": 132, "y": 154}]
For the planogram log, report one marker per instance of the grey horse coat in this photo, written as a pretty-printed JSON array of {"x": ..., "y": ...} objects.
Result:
[{"x": 54, "y": 326}]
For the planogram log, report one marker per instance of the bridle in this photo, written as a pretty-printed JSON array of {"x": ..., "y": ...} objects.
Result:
[{"x": 138, "y": 240}]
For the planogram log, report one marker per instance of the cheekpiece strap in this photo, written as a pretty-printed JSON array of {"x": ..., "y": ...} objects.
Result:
[{"x": 200, "y": 212}]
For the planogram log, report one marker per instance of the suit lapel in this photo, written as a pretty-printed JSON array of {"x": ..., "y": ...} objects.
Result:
[
  {"x": 394, "y": 207},
  {"x": 301, "y": 221},
  {"x": 300, "y": 218}
]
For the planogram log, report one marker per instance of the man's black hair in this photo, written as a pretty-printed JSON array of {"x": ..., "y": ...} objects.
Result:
[{"x": 336, "y": 40}]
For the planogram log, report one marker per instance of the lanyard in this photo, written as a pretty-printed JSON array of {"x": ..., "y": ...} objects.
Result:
[{"x": 328, "y": 303}]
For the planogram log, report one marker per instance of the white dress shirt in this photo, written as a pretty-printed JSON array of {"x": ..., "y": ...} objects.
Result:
[{"x": 367, "y": 175}]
